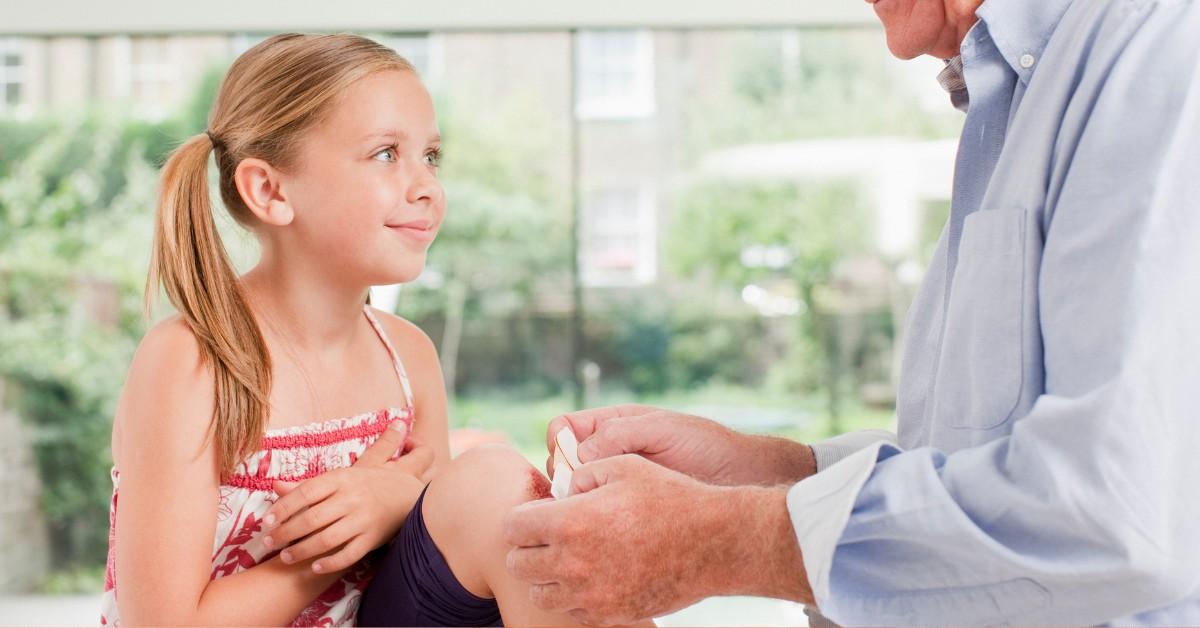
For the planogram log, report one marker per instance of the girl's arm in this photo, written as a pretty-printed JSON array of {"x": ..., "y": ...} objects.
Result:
[{"x": 168, "y": 502}]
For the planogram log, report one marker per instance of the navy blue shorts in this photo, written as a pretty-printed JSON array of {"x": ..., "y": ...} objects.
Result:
[{"x": 413, "y": 585}]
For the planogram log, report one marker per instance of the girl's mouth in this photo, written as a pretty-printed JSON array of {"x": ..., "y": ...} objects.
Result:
[{"x": 419, "y": 230}]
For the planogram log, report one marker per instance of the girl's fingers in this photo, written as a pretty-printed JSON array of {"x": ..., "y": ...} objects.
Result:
[
  {"x": 417, "y": 461},
  {"x": 388, "y": 443},
  {"x": 343, "y": 558},
  {"x": 320, "y": 543},
  {"x": 303, "y": 524},
  {"x": 305, "y": 495}
]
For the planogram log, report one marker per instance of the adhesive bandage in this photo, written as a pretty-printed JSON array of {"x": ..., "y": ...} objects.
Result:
[{"x": 566, "y": 460}]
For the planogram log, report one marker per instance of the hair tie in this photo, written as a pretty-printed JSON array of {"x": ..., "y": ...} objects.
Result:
[{"x": 212, "y": 138}]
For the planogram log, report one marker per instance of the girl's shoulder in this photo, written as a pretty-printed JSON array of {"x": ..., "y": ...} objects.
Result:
[
  {"x": 168, "y": 394},
  {"x": 170, "y": 354},
  {"x": 416, "y": 350}
]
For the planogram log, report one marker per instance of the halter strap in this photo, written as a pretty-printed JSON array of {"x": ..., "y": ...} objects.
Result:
[{"x": 399, "y": 366}]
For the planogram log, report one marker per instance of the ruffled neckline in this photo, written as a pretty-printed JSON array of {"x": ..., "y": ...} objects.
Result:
[{"x": 332, "y": 424}]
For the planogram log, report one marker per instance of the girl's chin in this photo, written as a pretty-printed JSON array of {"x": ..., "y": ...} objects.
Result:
[{"x": 400, "y": 273}]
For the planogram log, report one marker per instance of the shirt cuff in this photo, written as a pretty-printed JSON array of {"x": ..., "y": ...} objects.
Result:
[
  {"x": 829, "y": 451},
  {"x": 820, "y": 506}
]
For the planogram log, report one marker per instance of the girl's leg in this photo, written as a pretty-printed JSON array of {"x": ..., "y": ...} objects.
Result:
[
  {"x": 462, "y": 510},
  {"x": 465, "y": 505}
]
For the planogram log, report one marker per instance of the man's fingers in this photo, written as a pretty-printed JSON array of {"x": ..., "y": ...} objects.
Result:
[
  {"x": 584, "y": 617},
  {"x": 388, "y": 443},
  {"x": 552, "y": 430},
  {"x": 533, "y": 523},
  {"x": 585, "y": 422},
  {"x": 550, "y": 597},
  {"x": 534, "y": 565},
  {"x": 622, "y": 435},
  {"x": 302, "y": 496},
  {"x": 593, "y": 475}
]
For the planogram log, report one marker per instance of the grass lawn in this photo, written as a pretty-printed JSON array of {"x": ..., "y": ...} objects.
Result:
[{"x": 524, "y": 420}]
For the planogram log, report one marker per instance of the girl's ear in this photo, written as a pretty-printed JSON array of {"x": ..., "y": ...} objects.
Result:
[{"x": 259, "y": 185}]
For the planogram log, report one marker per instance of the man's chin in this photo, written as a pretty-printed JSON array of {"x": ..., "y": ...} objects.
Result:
[{"x": 903, "y": 49}]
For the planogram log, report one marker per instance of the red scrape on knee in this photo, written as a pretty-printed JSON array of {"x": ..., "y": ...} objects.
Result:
[{"x": 538, "y": 486}]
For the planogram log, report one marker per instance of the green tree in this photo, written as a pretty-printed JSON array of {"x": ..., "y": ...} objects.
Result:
[
  {"x": 505, "y": 232},
  {"x": 834, "y": 83},
  {"x": 76, "y": 213},
  {"x": 811, "y": 225}
]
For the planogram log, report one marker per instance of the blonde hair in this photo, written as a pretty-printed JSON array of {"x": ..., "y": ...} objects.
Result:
[{"x": 271, "y": 94}]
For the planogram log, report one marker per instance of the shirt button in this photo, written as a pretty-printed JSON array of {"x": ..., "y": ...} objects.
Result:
[{"x": 1027, "y": 61}]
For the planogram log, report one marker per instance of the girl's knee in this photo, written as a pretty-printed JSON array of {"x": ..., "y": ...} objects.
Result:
[{"x": 482, "y": 483}]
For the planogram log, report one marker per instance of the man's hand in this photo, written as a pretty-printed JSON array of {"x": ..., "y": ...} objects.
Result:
[
  {"x": 634, "y": 540},
  {"x": 342, "y": 514},
  {"x": 695, "y": 446}
]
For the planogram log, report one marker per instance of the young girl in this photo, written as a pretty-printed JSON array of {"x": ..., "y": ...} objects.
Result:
[{"x": 327, "y": 150}]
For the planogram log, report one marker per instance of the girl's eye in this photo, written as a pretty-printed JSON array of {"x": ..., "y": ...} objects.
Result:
[
  {"x": 391, "y": 152},
  {"x": 434, "y": 158}
]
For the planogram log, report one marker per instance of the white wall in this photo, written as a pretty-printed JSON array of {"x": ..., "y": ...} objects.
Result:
[{"x": 153, "y": 16}]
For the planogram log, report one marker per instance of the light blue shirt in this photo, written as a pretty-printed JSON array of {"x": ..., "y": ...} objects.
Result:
[{"x": 1048, "y": 464}]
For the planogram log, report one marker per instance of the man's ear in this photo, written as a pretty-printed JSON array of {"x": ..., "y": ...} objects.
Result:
[{"x": 260, "y": 186}]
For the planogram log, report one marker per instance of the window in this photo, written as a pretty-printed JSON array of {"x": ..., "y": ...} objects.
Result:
[
  {"x": 614, "y": 74},
  {"x": 416, "y": 48},
  {"x": 241, "y": 42},
  {"x": 147, "y": 66},
  {"x": 618, "y": 239},
  {"x": 13, "y": 75}
]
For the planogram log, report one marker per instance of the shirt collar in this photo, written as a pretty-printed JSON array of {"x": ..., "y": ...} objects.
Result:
[
  {"x": 952, "y": 80},
  {"x": 1021, "y": 29}
]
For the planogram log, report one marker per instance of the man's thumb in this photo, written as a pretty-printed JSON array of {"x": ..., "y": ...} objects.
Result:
[
  {"x": 616, "y": 437},
  {"x": 593, "y": 475}
]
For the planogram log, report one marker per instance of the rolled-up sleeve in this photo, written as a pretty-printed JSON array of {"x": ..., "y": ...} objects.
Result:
[
  {"x": 1088, "y": 510},
  {"x": 830, "y": 451}
]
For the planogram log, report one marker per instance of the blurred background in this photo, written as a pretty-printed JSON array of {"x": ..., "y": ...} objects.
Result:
[{"x": 722, "y": 208}]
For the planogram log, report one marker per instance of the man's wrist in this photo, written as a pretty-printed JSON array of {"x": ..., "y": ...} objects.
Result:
[
  {"x": 779, "y": 460},
  {"x": 754, "y": 545}
]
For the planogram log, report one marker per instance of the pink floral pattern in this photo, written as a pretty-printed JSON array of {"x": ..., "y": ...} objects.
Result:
[{"x": 238, "y": 544}]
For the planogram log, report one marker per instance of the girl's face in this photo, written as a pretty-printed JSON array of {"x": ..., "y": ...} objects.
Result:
[{"x": 364, "y": 187}]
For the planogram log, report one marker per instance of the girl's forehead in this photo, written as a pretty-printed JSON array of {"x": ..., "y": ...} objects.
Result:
[{"x": 388, "y": 102}]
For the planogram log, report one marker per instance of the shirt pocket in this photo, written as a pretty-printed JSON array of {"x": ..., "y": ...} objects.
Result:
[{"x": 979, "y": 372}]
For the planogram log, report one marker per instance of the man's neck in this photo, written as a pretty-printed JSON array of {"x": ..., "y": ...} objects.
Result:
[{"x": 960, "y": 17}]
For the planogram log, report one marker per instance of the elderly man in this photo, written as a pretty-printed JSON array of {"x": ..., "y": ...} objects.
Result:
[{"x": 1046, "y": 468}]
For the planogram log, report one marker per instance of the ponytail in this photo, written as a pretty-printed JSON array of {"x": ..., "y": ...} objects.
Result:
[{"x": 191, "y": 263}]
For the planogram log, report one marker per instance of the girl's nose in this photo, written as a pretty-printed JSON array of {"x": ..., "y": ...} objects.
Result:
[{"x": 423, "y": 187}]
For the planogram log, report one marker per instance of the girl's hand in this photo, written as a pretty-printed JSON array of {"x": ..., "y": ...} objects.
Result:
[{"x": 340, "y": 515}]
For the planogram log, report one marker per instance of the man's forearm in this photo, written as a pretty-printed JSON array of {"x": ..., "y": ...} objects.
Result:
[{"x": 756, "y": 550}]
